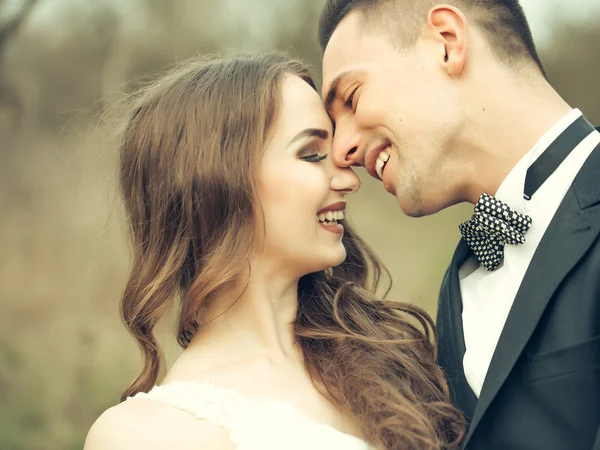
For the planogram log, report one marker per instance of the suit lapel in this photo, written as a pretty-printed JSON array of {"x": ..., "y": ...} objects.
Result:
[
  {"x": 454, "y": 295},
  {"x": 451, "y": 318},
  {"x": 574, "y": 228}
]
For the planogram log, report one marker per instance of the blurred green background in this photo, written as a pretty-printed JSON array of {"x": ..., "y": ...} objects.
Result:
[{"x": 64, "y": 356}]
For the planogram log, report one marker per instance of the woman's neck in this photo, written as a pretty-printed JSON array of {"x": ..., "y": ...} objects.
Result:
[{"x": 257, "y": 323}]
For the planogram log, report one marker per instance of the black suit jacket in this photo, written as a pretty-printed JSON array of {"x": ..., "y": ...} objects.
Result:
[{"x": 542, "y": 389}]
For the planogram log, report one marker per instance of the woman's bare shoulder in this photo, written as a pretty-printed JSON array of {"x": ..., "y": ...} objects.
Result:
[{"x": 142, "y": 423}]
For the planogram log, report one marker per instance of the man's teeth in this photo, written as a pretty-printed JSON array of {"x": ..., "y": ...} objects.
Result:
[
  {"x": 382, "y": 159},
  {"x": 331, "y": 217}
]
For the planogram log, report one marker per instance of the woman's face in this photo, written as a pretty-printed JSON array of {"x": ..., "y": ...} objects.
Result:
[{"x": 300, "y": 189}]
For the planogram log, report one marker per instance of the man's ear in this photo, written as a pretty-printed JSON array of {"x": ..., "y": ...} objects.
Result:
[{"x": 449, "y": 26}]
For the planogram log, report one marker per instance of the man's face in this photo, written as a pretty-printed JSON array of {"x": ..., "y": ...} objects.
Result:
[{"x": 395, "y": 113}]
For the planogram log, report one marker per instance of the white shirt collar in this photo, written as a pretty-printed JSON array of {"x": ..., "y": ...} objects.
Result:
[{"x": 511, "y": 189}]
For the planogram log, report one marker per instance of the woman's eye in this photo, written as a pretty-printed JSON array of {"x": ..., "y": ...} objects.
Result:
[{"x": 314, "y": 158}]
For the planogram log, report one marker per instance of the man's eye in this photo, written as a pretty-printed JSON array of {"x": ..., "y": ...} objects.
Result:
[
  {"x": 350, "y": 102},
  {"x": 314, "y": 158}
]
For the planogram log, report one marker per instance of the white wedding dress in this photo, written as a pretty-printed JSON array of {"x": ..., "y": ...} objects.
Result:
[{"x": 253, "y": 424}]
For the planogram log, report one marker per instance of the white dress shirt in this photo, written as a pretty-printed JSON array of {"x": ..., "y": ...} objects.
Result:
[{"x": 487, "y": 297}]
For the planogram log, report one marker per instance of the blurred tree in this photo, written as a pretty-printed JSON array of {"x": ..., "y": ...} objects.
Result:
[
  {"x": 13, "y": 19},
  {"x": 64, "y": 263},
  {"x": 10, "y": 26},
  {"x": 297, "y": 33},
  {"x": 572, "y": 62}
]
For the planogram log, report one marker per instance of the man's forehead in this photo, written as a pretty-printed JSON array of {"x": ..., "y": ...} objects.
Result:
[
  {"x": 348, "y": 51},
  {"x": 343, "y": 44},
  {"x": 338, "y": 66}
]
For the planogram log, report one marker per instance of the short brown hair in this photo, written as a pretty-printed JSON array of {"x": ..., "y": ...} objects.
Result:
[{"x": 503, "y": 22}]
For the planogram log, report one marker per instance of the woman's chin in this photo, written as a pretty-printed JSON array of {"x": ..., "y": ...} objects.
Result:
[{"x": 332, "y": 259}]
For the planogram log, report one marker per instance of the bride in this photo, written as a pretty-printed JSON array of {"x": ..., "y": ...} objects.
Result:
[{"x": 236, "y": 212}]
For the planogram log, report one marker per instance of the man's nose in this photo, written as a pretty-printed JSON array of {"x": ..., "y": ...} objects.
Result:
[{"x": 345, "y": 149}]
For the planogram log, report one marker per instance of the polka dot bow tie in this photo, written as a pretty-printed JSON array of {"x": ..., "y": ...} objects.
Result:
[{"x": 493, "y": 225}]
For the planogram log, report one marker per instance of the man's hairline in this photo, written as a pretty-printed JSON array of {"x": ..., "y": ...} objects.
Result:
[
  {"x": 366, "y": 28},
  {"x": 364, "y": 24},
  {"x": 363, "y": 28}
]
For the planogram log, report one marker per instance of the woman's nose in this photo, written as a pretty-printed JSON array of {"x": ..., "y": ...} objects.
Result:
[{"x": 345, "y": 180}]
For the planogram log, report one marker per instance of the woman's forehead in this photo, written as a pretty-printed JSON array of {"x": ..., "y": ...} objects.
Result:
[{"x": 301, "y": 106}]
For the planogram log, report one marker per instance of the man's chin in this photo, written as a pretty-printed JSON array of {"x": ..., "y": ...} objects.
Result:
[{"x": 410, "y": 205}]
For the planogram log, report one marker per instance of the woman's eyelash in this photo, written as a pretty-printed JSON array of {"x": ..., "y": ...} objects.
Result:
[{"x": 314, "y": 158}]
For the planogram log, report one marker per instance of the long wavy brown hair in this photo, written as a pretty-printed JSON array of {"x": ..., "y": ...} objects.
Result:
[{"x": 188, "y": 165}]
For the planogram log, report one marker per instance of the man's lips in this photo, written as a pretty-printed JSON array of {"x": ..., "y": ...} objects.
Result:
[{"x": 371, "y": 159}]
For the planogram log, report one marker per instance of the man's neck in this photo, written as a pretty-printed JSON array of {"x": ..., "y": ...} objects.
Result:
[{"x": 502, "y": 128}]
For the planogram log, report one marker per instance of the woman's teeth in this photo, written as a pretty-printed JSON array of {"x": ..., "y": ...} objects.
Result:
[
  {"x": 331, "y": 217},
  {"x": 382, "y": 159}
]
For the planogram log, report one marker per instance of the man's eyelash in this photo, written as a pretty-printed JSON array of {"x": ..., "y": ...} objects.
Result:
[{"x": 348, "y": 103}]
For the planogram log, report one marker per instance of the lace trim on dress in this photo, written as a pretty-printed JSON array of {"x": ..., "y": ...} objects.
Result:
[{"x": 252, "y": 424}]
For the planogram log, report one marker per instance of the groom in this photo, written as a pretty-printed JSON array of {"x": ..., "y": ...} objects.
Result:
[{"x": 447, "y": 104}]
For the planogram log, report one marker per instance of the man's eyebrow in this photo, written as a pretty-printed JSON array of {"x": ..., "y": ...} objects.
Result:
[
  {"x": 310, "y": 132},
  {"x": 331, "y": 94}
]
